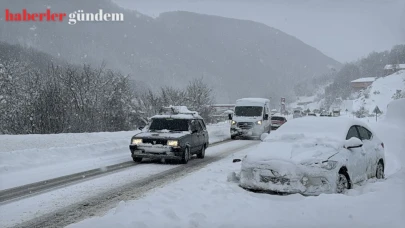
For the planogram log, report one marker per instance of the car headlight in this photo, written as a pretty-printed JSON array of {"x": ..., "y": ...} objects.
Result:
[
  {"x": 136, "y": 141},
  {"x": 329, "y": 165},
  {"x": 259, "y": 122},
  {"x": 172, "y": 142},
  {"x": 233, "y": 122}
]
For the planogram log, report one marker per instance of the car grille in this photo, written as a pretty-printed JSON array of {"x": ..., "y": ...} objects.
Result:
[
  {"x": 245, "y": 125},
  {"x": 155, "y": 141},
  {"x": 275, "y": 180}
]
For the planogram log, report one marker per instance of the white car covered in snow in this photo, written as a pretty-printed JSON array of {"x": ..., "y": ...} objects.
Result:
[{"x": 314, "y": 155}]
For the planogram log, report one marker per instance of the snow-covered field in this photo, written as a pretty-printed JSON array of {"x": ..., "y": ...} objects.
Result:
[
  {"x": 26, "y": 159},
  {"x": 207, "y": 199}
]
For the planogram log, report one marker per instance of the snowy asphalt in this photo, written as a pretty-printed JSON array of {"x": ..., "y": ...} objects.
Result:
[
  {"x": 101, "y": 203},
  {"x": 13, "y": 194}
]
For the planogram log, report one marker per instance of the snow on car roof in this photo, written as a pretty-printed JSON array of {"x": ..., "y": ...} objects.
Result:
[
  {"x": 333, "y": 127},
  {"x": 178, "y": 116},
  {"x": 251, "y": 101}
]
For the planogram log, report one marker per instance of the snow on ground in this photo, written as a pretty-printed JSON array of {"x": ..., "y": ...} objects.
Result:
[
  {"x": 26, "y": 159},
  {"x": 33, "y": 207},
  {"x": 381, "y": 92},
  {"x": 206, "y": 199}
]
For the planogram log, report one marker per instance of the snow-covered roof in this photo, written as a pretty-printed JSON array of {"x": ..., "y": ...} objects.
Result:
[
  {"x": 369, "y": 79},
  {"x": 177, "y": 112},
  {"x": 178, "y": 116},
  {"x": 394, "y": 66},
  {"x": 250, "y": 101}
]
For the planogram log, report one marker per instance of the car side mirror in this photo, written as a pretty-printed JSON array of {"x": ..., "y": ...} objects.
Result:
[
  {"x": 266, "y": 117},
  {"x": 140, "y": 128},
  {"x": 193, "y": 129},
  {"x": 230, "y": 116},
  {"x": 353, "y": 142}
]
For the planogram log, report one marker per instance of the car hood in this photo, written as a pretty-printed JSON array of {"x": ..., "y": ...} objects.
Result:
[
  {"x": 161, "y": 135},
  {"x": 298, "y": 152}
]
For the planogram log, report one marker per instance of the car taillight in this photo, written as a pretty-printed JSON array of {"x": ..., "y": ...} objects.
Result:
[{"x": 382, "y": 144}]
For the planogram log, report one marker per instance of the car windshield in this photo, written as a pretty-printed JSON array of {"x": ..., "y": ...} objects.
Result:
[
  {"x": 248, "y": 110},
  {"x": 169, "y": 124}
]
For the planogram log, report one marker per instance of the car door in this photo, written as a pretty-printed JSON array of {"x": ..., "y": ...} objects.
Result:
[
  {"x": 204, "y": 138},
  {"x": 195, "y": 136},
  {"x": 356, "y": 159},
  {"x": 370, "y": 149}
]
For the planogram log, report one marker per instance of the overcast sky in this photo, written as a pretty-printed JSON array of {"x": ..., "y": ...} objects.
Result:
[{"x": 342, "y": 29}]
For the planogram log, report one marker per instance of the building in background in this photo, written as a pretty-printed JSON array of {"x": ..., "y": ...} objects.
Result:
[
  {"x": 392, "y": 68},
  {"x": 362, "y": 83}
]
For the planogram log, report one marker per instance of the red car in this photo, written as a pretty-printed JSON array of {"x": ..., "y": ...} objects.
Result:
[{"x": 277, "y": 121}]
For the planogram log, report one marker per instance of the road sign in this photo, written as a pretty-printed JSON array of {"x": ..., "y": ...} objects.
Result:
[{"x": 376, "y": 111}]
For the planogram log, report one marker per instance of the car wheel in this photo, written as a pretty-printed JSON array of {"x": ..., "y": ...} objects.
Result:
[
  {"x": 202, "y": 153},
  {"x": 379, "y": 173},
  {"x": 342, "y": 183},
  {"x": 136, "y": 159},
  {"x": 186, "y": 156}
]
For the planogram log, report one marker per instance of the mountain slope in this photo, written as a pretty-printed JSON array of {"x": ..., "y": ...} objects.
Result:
[
  {"x": 381, "y": 92},
  {"x": 234, "y": 56}
]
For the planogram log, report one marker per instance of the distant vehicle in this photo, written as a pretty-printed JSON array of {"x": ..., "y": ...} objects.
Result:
[
  {"x": 314, "y": 156},
  {"x": 277, "y": 121},
  {"x": 297, "y": 113},
  {"x": 251, "y": 118},
  {"x": 311, "y": 114},
  {"x": 325, "y": 114},
  {"x": 176, "y": 134},
  {"x": 336, "y": 113}
]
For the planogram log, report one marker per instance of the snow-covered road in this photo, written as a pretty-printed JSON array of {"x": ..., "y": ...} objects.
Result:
[
  {"x": 102, "y": 190},
  {"x": 26, "y": 159},
  {"x": 207, "y": 199}
]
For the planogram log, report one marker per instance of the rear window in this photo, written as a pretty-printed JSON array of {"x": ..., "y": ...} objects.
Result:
[
  {"x": 364, "y": 133},
  {"x": 277, "y": 118},
  {"x": 202, "y": 124}
]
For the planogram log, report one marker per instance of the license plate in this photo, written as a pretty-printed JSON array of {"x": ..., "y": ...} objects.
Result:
[{"x": 274, "y": 180}]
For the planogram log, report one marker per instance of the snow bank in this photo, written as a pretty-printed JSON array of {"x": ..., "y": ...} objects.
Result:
[
  {"x": 30, "y": 158},
  {"x": 381, "y": 92},
  {"x": 396, "y": 112}
]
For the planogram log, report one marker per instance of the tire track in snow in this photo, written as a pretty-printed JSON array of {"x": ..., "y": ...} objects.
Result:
[
  {"x": 29, "y": 190},
  {"x": 102, "y": 203}
]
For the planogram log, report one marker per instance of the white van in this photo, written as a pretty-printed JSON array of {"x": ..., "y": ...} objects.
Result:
[{"x": 252, "y": 117}]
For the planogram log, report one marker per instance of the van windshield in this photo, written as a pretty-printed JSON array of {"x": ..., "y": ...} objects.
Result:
[{"x": 248, "y": 111}]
